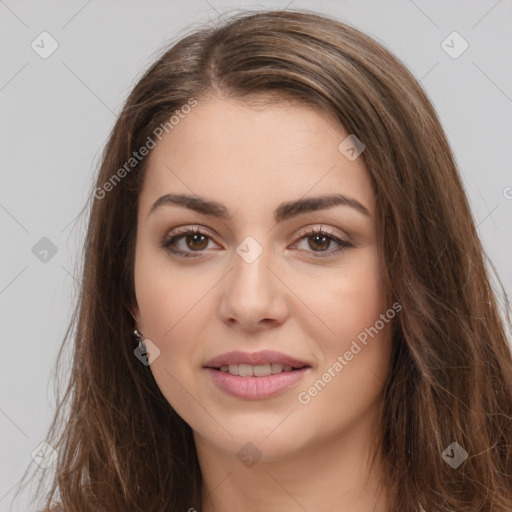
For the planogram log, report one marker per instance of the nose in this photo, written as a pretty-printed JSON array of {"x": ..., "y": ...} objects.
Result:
[{"x": 253, "y": 294}]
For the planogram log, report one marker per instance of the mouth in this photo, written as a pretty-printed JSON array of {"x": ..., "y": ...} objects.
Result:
[{"x": 255, "y": 376}]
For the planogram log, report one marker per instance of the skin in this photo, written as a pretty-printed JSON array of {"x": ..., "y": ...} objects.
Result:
[{"x": 314, "y": 456}]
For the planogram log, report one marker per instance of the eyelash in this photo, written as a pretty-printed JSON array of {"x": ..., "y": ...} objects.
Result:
[{"x": 169, "y": 241}]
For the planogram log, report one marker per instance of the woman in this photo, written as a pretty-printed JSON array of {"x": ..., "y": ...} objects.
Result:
[{"x": 279, "y": 221}]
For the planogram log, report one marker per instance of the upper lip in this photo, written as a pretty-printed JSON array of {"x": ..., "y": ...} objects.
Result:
[{"x": 255, "y": 358}]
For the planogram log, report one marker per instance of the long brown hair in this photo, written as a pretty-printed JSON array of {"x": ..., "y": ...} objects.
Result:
[{"x": 121, "y": 446}]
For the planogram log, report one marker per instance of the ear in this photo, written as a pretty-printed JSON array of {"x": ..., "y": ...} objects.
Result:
[{"x": 135, "y": 312}]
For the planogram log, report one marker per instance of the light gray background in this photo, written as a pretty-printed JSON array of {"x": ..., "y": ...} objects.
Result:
[{"x": 56, "y": 114}]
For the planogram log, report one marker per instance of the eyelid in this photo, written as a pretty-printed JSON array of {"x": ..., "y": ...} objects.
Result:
[
  {"x": 320, "y": 227},
  {"x": 195, "y": 228}
]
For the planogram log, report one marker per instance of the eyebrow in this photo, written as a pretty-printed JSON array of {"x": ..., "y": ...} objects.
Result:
[{"x": 283, "y": 212}]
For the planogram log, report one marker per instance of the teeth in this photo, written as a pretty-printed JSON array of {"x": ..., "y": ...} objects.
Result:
[
  {"x": 259, "y": 370},
  {"x": 245, "y": 370},
  {"x": 276, "y": 368},
  {"x": 262, "y": 370}
]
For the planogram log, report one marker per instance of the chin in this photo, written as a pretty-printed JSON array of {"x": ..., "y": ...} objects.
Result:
[{"x": 258, "y": 435}]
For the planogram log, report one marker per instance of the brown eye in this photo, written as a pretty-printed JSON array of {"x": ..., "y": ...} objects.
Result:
[
  {"x": 196, "y": 241},
  {"x": 319, "y": 242}
]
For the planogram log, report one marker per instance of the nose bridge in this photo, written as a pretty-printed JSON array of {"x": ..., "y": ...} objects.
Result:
[
  {"x": 252, "y": 277},
  {"x": 252, "y": 293}
]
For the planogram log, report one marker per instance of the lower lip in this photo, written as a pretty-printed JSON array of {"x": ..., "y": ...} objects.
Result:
[{"x": 255, "y": 388}]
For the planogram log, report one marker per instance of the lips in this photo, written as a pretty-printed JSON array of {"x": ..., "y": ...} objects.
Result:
[
  {"x": 256, "y": 375},
  {"x": 264, "y": 357}
]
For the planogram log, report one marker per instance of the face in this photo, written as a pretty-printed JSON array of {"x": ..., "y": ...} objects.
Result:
[{"x": 236, "y": 263}]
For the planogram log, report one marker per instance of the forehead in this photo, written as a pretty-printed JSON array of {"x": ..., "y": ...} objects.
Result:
[{"x": 255, "y": 154}]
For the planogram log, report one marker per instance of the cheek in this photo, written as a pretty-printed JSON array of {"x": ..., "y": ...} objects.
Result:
[
  {"x": 355, "y": 358},
  {"x": 353, "y": 309},
  {"x": 173, "y": 310},
  {"x": 167, "y": 295},
  {"x": 171, "y": 304},
  {"x": 354, "y": 299}
]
